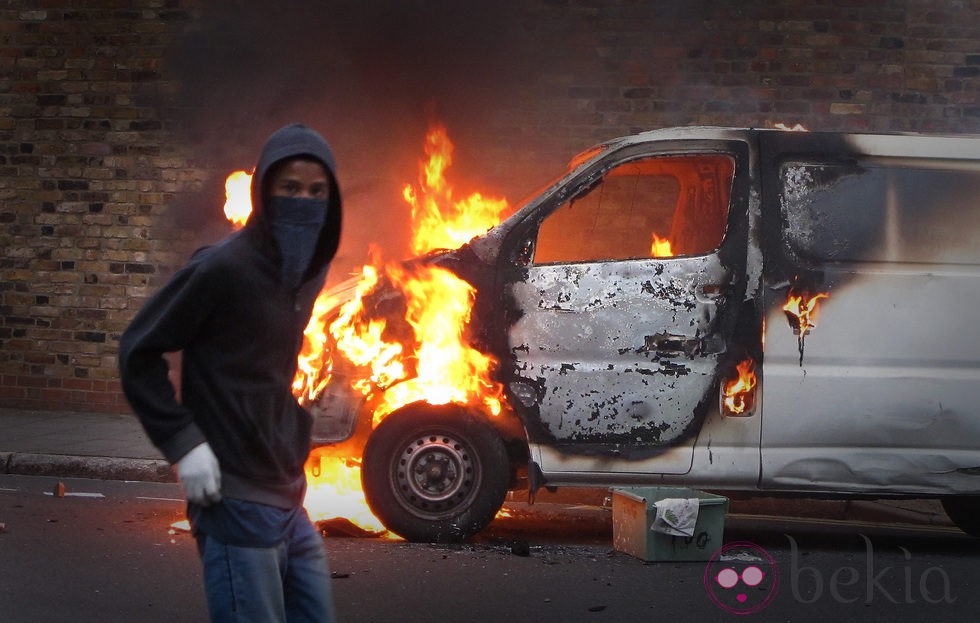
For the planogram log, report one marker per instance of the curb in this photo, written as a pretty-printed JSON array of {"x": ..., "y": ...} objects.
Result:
[{"x": 73, "y": 466}]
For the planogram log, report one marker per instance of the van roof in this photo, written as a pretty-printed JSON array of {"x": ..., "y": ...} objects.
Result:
[{"x": 924, "y": 145}]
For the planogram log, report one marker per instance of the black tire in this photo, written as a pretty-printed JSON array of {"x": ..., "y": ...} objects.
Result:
[
  {"x": 435, "y": 474},
  {"x": 965, "y": 513}
]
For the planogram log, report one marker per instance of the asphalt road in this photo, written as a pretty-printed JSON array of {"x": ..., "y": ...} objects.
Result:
[{"x": 105, "y": 552}]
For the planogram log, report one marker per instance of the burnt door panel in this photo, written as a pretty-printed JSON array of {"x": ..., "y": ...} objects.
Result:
[
  {"x": 622, "y": 352},
  {"x": 620, "y": 313}
]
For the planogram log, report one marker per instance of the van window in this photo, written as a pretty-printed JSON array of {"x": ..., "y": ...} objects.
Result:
[
  {"x": 883, "y": 210},
  {"x": 650, "y": 207}
]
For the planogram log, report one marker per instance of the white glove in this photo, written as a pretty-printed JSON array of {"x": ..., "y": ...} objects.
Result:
[{"x": 200, "y": 475}]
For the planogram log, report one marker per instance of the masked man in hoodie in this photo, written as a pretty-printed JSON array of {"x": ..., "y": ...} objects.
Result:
[{"x": 237, "y": 436}]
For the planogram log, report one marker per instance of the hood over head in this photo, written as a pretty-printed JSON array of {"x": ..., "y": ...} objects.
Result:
[{"x": 289, "y": 142}]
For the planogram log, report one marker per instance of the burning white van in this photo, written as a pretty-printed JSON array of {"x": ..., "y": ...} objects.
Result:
[{"x": 729, "y": 309}]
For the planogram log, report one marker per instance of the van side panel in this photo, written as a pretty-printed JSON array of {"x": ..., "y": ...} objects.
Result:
[{"x": 882, "y": 394}]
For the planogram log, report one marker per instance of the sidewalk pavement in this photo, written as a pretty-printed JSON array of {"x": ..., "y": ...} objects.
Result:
[
  {"x": 115, "y": 447},
  {"x": 78, "y": 445}
]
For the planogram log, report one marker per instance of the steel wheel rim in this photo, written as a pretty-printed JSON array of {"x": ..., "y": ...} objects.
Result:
[{"x": 435, "y": 474}]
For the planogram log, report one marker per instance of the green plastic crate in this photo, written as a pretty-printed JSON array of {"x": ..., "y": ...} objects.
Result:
[{"x": 634, "y": 512}]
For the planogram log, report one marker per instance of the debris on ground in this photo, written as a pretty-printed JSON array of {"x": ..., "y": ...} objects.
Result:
[
  {"x": 520, "y": 548},
  {"x": 341, "y": 527}
]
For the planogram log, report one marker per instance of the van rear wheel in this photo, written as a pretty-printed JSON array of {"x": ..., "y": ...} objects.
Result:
[
  {"x": 435, "y": 473},
  {"x": 964, "y": 511}
]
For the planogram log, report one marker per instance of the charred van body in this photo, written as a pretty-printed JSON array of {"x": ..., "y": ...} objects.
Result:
[{"x": 723, "y": 308}]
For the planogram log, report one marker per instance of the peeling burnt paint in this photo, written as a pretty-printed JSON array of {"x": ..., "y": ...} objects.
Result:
[
  {"x": 604, "y": 352},
  {"x": 673, "y": 369},
  {"x": 675, "y": 293}
]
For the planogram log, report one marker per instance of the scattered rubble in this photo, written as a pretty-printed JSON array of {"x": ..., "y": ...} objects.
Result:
[
  {"x": 343, "y": 527},
  {"x": 520, "y": 548}
]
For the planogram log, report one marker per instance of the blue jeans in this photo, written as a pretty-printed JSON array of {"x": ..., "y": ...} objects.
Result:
[{"x": 286, "y": 583}]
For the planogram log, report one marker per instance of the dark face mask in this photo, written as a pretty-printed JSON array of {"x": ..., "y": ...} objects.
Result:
[{"x": 296, "y": 223}]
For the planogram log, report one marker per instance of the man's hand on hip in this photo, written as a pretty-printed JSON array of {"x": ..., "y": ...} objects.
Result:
[{"x": 200, "y": 475}]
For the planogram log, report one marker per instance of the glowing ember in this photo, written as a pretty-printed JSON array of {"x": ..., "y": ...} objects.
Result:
[
  {"x": 739, "y": 394},
  {"x": 238, "y": 198},
  {"x": 660, "y": 247}
]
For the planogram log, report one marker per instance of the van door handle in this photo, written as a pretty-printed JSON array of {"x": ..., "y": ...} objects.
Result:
[
  {"x": 667, "y": 345},
  {"x": 673, "y": 348}
]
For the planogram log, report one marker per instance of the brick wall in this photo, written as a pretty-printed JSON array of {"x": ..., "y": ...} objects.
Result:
[
  {"x": 105, "y": 107},
  {"x": 87, "y": 170},
  {"x": 606, "y": 68}
]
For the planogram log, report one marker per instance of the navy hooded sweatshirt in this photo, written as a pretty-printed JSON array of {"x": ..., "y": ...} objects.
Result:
[{"x": 240, "y": 330}]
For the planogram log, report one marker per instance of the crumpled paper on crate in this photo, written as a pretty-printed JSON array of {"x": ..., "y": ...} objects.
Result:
[{"x": 676, "y": 516}]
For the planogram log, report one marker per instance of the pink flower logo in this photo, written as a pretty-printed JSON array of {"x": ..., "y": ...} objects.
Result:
[{"x": 741, "y": 578}]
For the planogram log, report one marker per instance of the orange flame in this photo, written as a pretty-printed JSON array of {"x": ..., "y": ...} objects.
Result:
[
  {"x": 440, "y": 222},
  {"x": 660, "y": 247},
  {"x": 309, "y": 381},
  {"x": 435, "y": 364},
  {"x": 447, "y": 370},
  {"x": 238, "y": 198},
  {"x": 334, "y": 490},
  {"x": 361, "y": 342},
  {"x": 802, "y": 311},
  {"x": 739, "y": 393}
]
